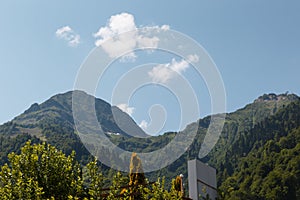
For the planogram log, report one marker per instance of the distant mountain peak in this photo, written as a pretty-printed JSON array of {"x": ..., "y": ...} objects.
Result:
[
  {"x": 58, "y": 109},
  {"x": 275, "y": 97}
]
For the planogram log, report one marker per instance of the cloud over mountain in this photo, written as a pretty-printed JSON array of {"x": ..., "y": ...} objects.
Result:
[{"x": 125, "y": 108}]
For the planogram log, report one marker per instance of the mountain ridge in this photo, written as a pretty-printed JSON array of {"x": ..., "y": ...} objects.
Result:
[
  {"x": 60, "y": 107},
  {"x": 42, "y": 122}
]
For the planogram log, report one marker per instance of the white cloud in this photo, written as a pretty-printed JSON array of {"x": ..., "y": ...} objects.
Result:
[
  {"x": 69, "y": 35},
  {"x": 193, "y": 58},
  {"x": 144, "y": 42},
  {"x": 61, "y": 31},
  {"x": 125, "y": 108},
  {"x": 178, "y": 67},
  {"x": 116, "y": 25},
  {"x": 164, "y": 72},
  {"x": 160, "y": 74},
  {"x": 130, "y": 57},
  {"x": 156, "y": 28},
  {"x": 109, "y": 38},
  {"x": 143, "y": 125},
  {"x": 165, "y": 27}
]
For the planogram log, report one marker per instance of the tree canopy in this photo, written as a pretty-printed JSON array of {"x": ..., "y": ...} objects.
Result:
[{"x": 41, "y": 171}]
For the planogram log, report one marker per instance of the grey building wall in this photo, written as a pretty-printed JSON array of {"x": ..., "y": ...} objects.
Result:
[{"x": 202, "y": 180}]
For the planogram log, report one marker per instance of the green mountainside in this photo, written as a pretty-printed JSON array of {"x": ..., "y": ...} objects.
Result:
[
  {"x": 52, "y": 121},
  {"x": 265, "y": 161},
  {"x": 256, "y": 155}
]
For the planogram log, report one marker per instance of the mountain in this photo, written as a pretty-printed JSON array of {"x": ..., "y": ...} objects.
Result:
[
  {"x": 264, "y": 162},
  {"x": 59, "y": 109},
  {"x": 269, "y": 121},
  {"x": 237, "y": 124},
  {"x": 244, "y": 120},
  {"x": 52, "y": 121}
]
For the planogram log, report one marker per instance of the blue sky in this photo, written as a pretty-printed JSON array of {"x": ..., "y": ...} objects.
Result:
[{"x": 255, "y": 45}]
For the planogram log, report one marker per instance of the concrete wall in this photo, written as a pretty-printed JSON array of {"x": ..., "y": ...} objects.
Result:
[{"x": 202, "y": 180}]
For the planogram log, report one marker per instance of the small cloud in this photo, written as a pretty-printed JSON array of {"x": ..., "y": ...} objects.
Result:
[
  {"x": 179, "y": 66},
  {"x": 61, "y": 31},
  {"x": 121, "y": 35},
  {"x": 125, "y": 108},
  {"x": 143, "y": 125},
  {"x": 193, "y": 58},
  {"x": 130, "y": 57},
  {"x": 161, "y": 74},
  {"x": 69, "y": 35},
  {"x": 164, "y": 72},
  {"x": 165, "y": 27}
]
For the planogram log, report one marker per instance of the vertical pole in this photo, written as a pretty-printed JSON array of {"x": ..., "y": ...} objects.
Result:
[{"x": 181, "y": 185}]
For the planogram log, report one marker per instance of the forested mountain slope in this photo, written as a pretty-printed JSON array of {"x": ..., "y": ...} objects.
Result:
[{"x": 258, "y": 142}]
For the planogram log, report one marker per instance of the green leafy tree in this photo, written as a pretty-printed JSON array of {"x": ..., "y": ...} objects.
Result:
[
  {"x": 118, "y": 188},
  {"x": 96, "y": 181},
  {"x": 40, "y": 171},
  {"x": 157, "y": 191}
]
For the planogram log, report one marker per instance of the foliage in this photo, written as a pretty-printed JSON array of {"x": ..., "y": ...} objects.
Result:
[
  {"x": 117, "y": 190},
  {"x": 269, "y": 168},
  {"x": 40, "y": 171},
  {"x": 96, "y": 181},
  {"x": 10, "y": 144}
]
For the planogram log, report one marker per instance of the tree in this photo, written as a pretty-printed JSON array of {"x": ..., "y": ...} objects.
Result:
[
  {"x": 40, "y": 171},
  {"x": 118, "y": 188},
  {"x": 96, "y": 181}
]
